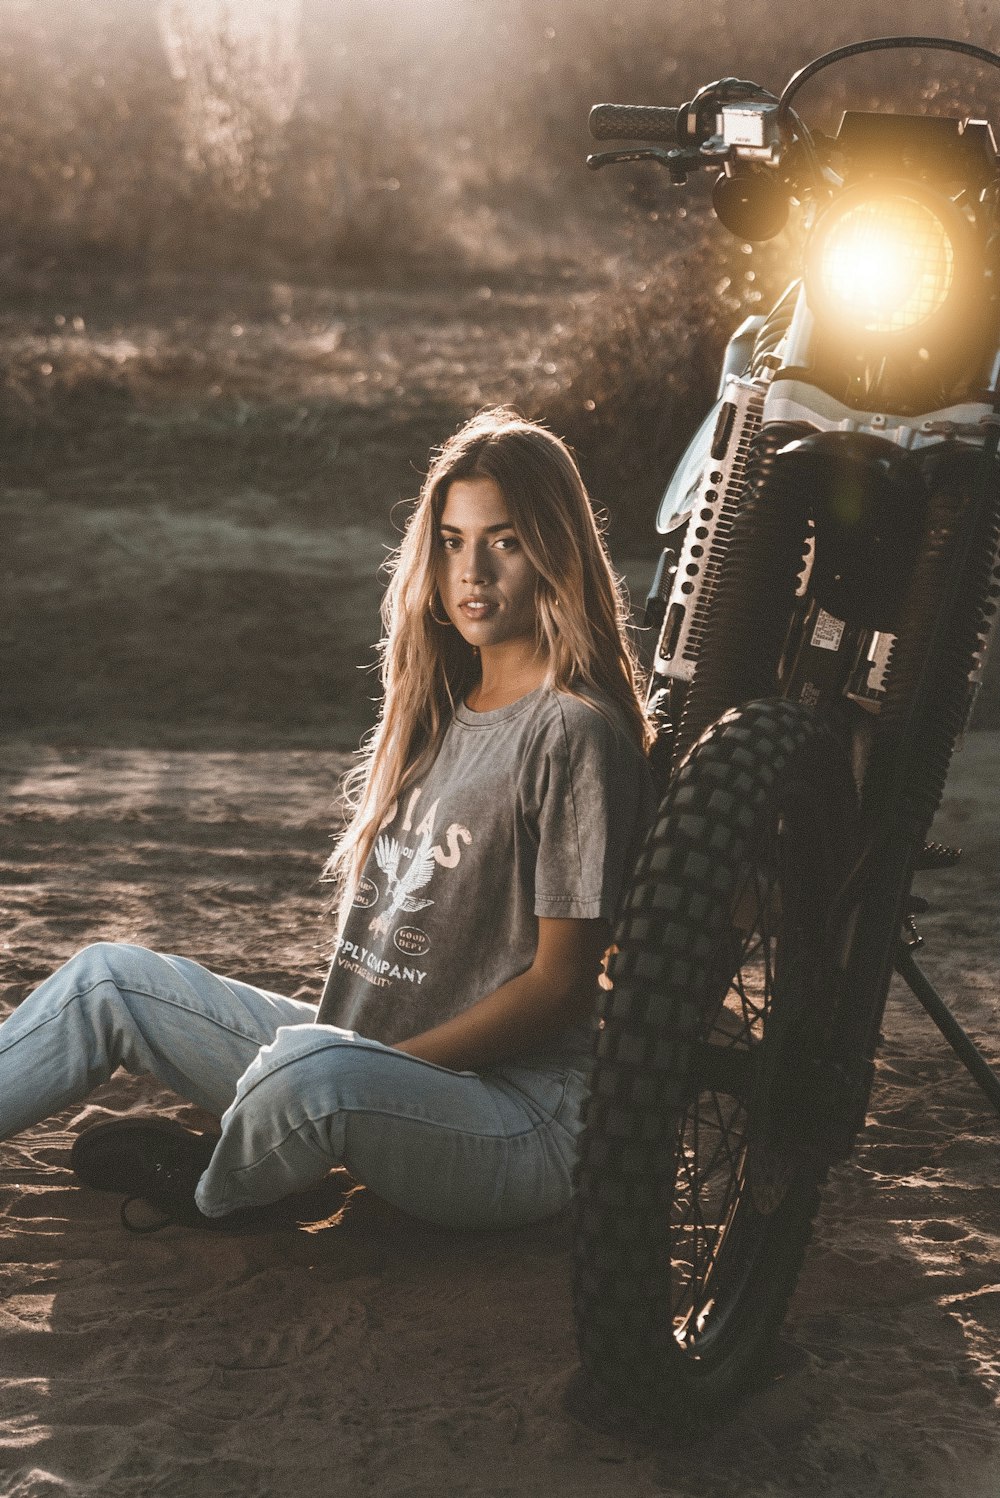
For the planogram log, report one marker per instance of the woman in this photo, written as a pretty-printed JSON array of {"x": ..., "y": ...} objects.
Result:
[{"x": 494, "y": 816}]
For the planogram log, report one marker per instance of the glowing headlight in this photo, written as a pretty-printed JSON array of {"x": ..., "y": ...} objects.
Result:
[{"x": 883, "y": 264}]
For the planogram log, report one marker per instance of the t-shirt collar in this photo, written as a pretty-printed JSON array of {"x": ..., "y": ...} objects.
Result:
[{"x": 471, "y": 719}]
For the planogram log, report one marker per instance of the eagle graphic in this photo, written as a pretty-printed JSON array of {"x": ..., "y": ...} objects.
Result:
[{"x": 418, "y": 872}]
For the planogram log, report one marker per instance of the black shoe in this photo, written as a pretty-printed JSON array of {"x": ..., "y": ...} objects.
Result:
[{"x": 150, "y": 1160}]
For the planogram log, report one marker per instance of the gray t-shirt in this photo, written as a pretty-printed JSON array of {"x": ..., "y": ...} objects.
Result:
[{"x": 535, "y": 809}]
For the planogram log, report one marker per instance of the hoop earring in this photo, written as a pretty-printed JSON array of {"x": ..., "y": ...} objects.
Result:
[{"x": 445, "y": 623}]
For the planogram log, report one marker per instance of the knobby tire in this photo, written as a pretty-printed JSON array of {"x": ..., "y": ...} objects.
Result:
[{"x": 701, "y": 1157}]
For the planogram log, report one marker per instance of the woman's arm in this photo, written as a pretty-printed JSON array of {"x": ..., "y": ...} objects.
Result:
[{"x": 528, "y": 1011}]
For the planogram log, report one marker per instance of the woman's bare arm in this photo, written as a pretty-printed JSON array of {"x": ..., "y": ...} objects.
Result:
[{"x": 527, "y": 1012}]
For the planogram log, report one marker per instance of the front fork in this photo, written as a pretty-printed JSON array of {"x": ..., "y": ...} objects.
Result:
[{"x": 944, "y": 622}]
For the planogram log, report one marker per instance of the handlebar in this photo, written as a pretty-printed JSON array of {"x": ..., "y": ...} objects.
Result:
[
  {"x": 652, "y": 122},
  {"x": 635, "y": 122},
  {"x": 745, "y": 129}
]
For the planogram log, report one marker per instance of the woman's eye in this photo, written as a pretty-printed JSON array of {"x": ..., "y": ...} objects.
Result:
[
  {"x": 507, "y": 543},
  {"x": 450, "y": 543}
]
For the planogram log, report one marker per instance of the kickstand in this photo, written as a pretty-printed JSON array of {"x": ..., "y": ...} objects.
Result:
[{"x": 967, "y": 1052}]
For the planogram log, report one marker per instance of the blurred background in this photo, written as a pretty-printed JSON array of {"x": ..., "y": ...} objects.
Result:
[{"x": 257, "y": 257}]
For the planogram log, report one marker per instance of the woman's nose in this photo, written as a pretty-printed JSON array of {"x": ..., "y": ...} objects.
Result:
[{"x": 477, "y": 564}]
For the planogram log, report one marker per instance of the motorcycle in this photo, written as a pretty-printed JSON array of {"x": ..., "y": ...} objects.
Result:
[{"x": 822, "y": 607}]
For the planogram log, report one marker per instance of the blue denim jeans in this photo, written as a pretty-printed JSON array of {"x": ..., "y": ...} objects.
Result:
[{"x": 295, "y": 1098}]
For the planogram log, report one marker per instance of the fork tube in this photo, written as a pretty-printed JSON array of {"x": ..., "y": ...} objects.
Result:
[{"x": 798, "y": 347}]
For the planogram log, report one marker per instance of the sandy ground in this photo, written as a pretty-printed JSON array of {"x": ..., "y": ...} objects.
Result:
[{"x": 377, "y": 1356}]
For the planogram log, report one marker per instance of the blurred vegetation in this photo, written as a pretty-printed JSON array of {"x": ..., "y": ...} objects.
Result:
[
  {"x": 344, "y": 144},
  {"x": 351, "y": 140},
  {"x": 285, "y": 259}
]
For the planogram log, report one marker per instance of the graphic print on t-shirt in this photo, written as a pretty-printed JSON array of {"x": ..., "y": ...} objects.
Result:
[
  {"x": 401, "y": 886},
  {"x": 409, "y": 869}
]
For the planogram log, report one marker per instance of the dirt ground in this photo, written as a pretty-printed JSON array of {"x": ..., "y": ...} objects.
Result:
[{"x": 378, "y": 1356}]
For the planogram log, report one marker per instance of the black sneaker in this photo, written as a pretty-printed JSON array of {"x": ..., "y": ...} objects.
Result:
[{"x": 152, "y": 1160}]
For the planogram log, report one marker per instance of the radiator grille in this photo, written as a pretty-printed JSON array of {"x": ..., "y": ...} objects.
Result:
[{"x": 723, "y": 486}]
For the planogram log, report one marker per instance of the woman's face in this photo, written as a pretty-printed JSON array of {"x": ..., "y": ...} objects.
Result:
[{"x": 486, "y": 581}]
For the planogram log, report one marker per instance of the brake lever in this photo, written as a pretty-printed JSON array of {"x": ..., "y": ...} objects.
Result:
[
  {"x": 677, "y": 162},
  {"x": 611, "y": 158}
]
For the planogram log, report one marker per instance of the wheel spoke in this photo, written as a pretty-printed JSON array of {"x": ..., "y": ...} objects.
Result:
[
  {"x": 713, "y": 1152},
  {"x": 696, "y": 1198},
  {"x": 708, "y": 1169},
  {"x": 724, "y": 1136},
  {"x": 712, "y": 1172}
]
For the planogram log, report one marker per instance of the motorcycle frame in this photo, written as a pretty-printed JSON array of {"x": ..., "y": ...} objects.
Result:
[{"x": 881, "y": 882}]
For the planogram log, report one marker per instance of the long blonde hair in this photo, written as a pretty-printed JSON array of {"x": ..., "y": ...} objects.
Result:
[{"x": 426, "y": 667}]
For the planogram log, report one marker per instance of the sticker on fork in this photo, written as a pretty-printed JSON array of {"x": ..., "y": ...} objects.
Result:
[{"x": 828, "y": 631}]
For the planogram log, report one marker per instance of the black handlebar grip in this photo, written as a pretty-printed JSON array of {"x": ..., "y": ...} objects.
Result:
[{"x": 634, "y": 122}]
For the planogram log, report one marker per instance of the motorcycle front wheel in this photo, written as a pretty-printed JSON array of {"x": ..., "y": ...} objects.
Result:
[{"x": 702, "y": 1152}]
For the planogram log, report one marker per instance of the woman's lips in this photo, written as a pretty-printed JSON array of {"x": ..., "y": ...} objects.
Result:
[{"x": 477, "y": 608}]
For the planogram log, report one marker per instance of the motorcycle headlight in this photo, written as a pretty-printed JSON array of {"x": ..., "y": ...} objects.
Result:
[{"x": 885, "y": 260}]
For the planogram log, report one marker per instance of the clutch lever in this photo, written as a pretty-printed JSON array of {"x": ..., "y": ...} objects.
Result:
[{"x": 677, "y": 162}]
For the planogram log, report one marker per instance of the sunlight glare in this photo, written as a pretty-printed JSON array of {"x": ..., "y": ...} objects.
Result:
[
  {"x": 240, "y": 65},
  {"x": 887, "y": 264}
]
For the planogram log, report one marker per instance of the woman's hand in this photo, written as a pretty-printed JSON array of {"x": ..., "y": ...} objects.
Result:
[{"x": 529, "y": 1011}]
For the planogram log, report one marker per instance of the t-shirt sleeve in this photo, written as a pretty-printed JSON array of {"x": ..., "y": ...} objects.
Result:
[{"x": 593, "y": 796}]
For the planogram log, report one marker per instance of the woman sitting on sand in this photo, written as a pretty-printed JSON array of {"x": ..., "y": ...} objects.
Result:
[{"x": 495, "y": 813}]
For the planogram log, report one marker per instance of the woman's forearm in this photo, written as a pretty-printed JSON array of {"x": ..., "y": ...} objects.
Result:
[
  {"x": 527, "y": 1012},
  {"x": 517, "y": 1018}
]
